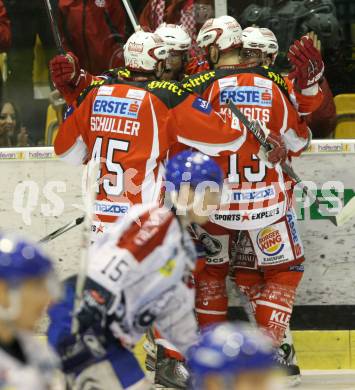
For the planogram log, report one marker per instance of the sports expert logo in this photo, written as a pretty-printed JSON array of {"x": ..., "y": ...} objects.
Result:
[{"x": 269, "y": 241}]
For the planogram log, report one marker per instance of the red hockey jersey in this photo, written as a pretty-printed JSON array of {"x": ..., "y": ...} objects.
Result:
[
  {"x": 255, "y": 195},
  {"x": 130, "y": 127}
]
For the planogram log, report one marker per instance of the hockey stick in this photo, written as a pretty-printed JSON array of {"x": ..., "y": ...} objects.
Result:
[
  {"x": 92, "y": 170},
  {"x": 220, "y": 8},
  {"x": 346, "y": 213},
  {"x": 51, "y": 236},
  {"x": 131, "y": 14},
  {"x": 258, "y": 133},
  {"x": 54, "y": 27}
]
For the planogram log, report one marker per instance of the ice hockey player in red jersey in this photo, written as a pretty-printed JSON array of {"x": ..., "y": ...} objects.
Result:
[
  {"x": 138, "y": 274},
  {"x": 257, "y": 198},
  {"x": 130, "y": 126},
  {"x": 260, "y": 48},
  {"x": 179, "y": 43},
  {"x": 308, "y": 88}
]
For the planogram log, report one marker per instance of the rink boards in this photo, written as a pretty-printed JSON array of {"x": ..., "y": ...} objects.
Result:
[{"x": 40, "y": 194}]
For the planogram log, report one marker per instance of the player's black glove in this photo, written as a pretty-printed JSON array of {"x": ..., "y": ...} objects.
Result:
[
  {"x": 92, "y": 311},
  {"x": 80, "y": 351},
  {"x": 93, "y": 308}
]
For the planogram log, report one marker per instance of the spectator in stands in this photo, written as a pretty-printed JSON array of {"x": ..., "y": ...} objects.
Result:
[
  {"x": 190, "y": 13},
  {"x": 9, "y": 125},
  {"x": 28, "y": 20},
  {"x": 94, "y": 30}
]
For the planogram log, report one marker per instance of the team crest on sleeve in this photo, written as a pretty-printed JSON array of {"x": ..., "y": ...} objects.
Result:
[
  {"x": 68, "y": 112},
  {"x": 202, "y": 105}
]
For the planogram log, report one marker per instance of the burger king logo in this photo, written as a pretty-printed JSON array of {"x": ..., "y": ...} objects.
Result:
[{"x": 269, "y": 241}]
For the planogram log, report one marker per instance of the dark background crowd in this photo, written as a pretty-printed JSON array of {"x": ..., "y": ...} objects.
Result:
[{"x": 95, "y": 30}]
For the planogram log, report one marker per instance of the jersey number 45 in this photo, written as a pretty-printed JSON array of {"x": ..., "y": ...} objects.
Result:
[{"x": 111, "y": 186}]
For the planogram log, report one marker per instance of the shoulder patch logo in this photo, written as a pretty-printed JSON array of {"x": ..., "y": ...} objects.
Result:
[
  {"x": 202, "y": 105},
  {"x": 136, "y": 94},
  {"x": 105, "y": 91},
  {"x": 227, "y": 82},
  {"x": 263, "y": 83},
  {"x": 68, "y": 112}
]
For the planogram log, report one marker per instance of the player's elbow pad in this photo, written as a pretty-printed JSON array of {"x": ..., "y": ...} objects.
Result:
[
  {"x": 77, "y": 154},
  {"x": 296, "y": 144}
]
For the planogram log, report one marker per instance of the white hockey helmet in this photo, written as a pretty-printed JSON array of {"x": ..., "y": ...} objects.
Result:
[
  {"x": 143, "y": 50},
  {"x": 225, "y": 32},
  {"x": 175, "y": 36},
  {"x": 272, "y": 45},
  {"x": 253, "y": 39}
]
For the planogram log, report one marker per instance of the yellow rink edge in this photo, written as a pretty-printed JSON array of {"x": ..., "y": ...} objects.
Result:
[
  {"x": 316, "y": 349},
  {"x": 325, "y": 350}
]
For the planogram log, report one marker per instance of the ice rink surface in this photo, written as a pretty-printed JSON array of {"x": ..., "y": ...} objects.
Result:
[
  {"x": 325, "y": 380},
  {"x": 328, "y": 380}
]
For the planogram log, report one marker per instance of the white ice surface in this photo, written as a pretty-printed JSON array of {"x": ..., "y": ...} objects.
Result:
[{"x": 328, "y": 380}]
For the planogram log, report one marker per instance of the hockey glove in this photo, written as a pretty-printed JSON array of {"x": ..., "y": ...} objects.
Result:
[
  {"x": 278, "y": 153},
  {"x": 65, "y": 72},
  {"x": 79, "y": 352},
  {"x": 94, "y": 307},
  {"x": 307, "y": 62}
]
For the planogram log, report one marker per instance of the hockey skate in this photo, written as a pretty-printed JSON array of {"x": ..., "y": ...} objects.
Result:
[
  {"x": 289, "y": 351},
  {"x": 151, "y": 350},
  {"x": 168, "y": 372},
  {"x": 292, "y": 371},
  {"x": 171, "y": 373},
  {"x": 165, "y": 371}
]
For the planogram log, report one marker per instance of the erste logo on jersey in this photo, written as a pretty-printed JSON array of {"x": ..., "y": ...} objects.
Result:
[
  {"x": 247, "y": 96},
  {"x": 116, "y": 106},
  {"x": 270, "y": 241}
]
